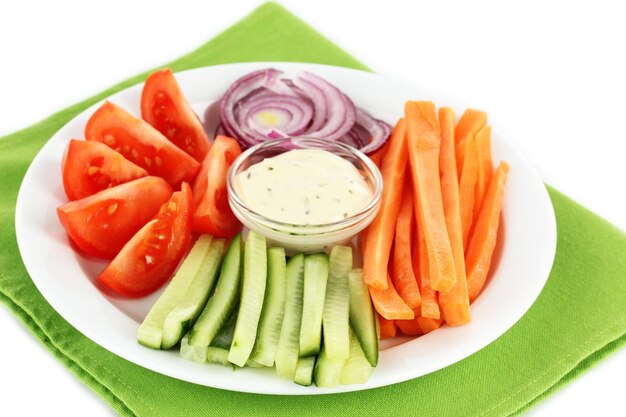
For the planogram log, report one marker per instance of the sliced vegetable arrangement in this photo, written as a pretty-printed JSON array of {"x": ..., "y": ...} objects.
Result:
[
  {"x": 120, "y": 184},
  {"x": 276, "y": 319},
  {"x": 446, "y": 215},
  {"x": 140, "y": 143},
  {"x": 151, "y": 196}
]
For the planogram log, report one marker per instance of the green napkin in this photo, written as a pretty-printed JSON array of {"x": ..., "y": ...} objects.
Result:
[{"x": 577, "y": 320}]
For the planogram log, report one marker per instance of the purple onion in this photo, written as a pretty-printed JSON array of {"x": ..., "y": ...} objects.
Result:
[{"x": 262, "y": 106}]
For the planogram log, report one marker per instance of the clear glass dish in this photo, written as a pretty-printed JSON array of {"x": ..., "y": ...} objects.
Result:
[{"x": 310, "y": 238}]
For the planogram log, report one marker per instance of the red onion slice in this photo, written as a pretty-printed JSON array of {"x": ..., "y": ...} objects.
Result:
[
  {"x": 340, "y": 111},
  {"x": 319, "y": 102},
  {"x": 377, "y": 129},
  {"x": 262, "y": 106},
  {"x": 352, "y": 139},
  {"x": 288, "y": 114},
  {"x": 237, "y": 91}
]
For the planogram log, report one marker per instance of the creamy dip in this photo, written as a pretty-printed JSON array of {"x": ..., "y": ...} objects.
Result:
[{"x": 304, "y": 187}]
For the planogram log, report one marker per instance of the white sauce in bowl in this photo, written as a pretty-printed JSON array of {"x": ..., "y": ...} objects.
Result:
[{"x": 304, "y": 187}]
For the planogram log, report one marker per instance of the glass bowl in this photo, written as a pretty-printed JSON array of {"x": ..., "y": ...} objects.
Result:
[{"x": 305, "y": 238}]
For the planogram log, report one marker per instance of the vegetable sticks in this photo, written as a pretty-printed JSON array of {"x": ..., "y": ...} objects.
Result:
[
  {"x": 423, "y": 140},
  {"x": 403, "y": 276},
  {"x": 380, "y": 232},
  {"x": 410, "y": 327},
  {"x": 387, "y": 328},
  {"x": 467, "y": 188},
  {"x": 430, "y": 305},
  {"x": 469, "y": 124},
  {"x": 389, "y": 304},
  {"x": 454, "y": 303},
  {"x": 485, "y": 167},
  {"x": 483, "y": 241}
]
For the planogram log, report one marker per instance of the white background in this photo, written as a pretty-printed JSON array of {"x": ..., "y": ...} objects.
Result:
[{"x": 552, "y": 74}]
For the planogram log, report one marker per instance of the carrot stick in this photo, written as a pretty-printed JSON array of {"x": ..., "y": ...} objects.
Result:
[
  {"x": 467, "y": 186},
  {"x": 485, "y": 167},
  {"x": 410, "y": 327},
  {"x": 485, "y": 234},
  {"x": 380, "y": 232},
  {"x": 423, "y": 140},
  {"x": 430, "y": 305},
  {"x": 469, "y": 124},
  {"x": 389, "y": 304},
  {"x": 419, "y": 325},
  {"x": 403, "y": 277},
  {"x": 454, "y": 303},
  {"x": 428, "y": 325},
  {"x": 377, "y": 157},
  {"x": 387, "y": 328}
]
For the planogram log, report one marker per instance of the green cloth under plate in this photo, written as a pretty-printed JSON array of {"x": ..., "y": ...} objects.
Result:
[{"x": 578, "y": 319}]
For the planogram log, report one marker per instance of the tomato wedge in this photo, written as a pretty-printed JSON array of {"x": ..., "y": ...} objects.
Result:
[
  {"x": 89, "y": 167},
  {"x": 151, "y": 256},
  {"x": 212, "y": 214},
  {"x": 165, "y": 108},
  {"x": 140, "y": 143},
  {"x": 101, "y": 224}
]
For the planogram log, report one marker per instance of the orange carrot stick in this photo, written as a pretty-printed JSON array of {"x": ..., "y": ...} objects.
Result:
[
  {"x": 377, "y": 157},
  {"x": 419, "y": 325},
  {"x": 410, "y": 327},
  {"x": 403, "y": 276},
  {"x": 485, "y": 167},
  {"x": 485, "y": 234},
  {"x": 467, "y": 187},
  {"x": 387, "y": 328},
  {"x": 428, "y": 325},
  {"x": 469, "y": 124},
  {"x": 423, "y": 140},
  {"x": 430, "y": 305},
  {"x": 454, "y": 303},
  {"x": 389, "y": 304},
  {"x": 380, "y": 232}
]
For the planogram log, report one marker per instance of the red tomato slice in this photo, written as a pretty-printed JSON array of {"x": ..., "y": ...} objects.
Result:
[
  {"x": 101, "y": 224},
  {"x": 164, "y": 107},
  {"x": 151, "y": 256},
  {"x": 140, "y": 143},
  {"x": 212, "y": 214},
  {"x": 89, "y": 167}
]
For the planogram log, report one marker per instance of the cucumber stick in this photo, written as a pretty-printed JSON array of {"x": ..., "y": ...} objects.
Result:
[
  {"x": 192, "y": 353},
  {"x": 356, "y": 369},
  {"x": 335, "y": 318},
  {"x": 222, "y": 303},
  {"x": 221, "y": 343},
  {"x": 327, "y": 371},
  {"x": 315, "y": 278},
  {"x": 224, "y": 338},
  {"x": 289, "y": 342},
  {"x": 220, "y": 355},
  {"x": 190, "y": 306},
  {"x": 363, "y": 320},
  {"x": 217, "y": 355},
  {"x": 151, "y": 330},
  {"x": 252, "y": 294},
  {"x": 273, "y": 308},
  {"x": 304, "y": 371}
]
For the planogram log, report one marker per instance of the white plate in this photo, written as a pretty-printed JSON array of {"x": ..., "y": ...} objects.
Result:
[{"x": 522, "y": 263}]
